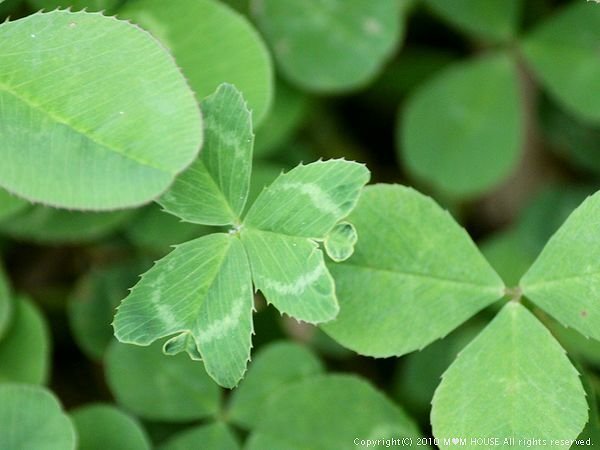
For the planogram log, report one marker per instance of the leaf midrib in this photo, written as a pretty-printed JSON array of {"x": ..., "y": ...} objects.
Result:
[
  {"x": 418, "y": 275},
  {"x": 56, "y": 118},
  {"x": 528, "y": 286}
]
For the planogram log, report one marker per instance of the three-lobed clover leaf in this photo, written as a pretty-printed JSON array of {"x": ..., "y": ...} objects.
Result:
[
  {"x": 423, "y": 277},
  {"x": 200, "y": 295}
]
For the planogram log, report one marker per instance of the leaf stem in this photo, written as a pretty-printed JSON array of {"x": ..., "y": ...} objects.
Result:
[{"x": 514, "y": 293}]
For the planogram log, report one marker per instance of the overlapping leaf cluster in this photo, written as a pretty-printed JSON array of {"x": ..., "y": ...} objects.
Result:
[
  {"x": 202, "y": 291},
  {"x": 401, "y": 272}
]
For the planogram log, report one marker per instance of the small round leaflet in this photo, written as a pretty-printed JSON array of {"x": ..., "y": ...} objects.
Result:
[{"x": 330, "y": 45}]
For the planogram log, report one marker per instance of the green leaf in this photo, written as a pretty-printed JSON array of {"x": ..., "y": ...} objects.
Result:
[
  {"x": 95, "y": 114},
  {"x": 413, "y": 264},
  {"x": 273, "y": 368},
  {"x": 330, "y": 45},
  {"x": 10, "y": 205},
  {"x": 6, "y": 304},
  {"x": 49, "y": 225},
  {"x": 570, "y": 37},
  {"x": 291, "y": 273},
  {"x": 102, "y": 427},
  {"x": 155, "y": 230},
  {"x": 315, "y": 413},
  {"x": 213, "y": 44},
  {"x": 92, "y": 305},
  {"x": 513, "y": 381},
  {"x": 32, "y": 418},
  {"x": 88, "y": 5},
  {"x": 340, "y": 241},
  {"x": 490, "y": 19},
  {"x": 565, "y": 279},
  {"x": 202, "y": 292},
  {"x": 159, "y": 387},
  {"x": 216, "y": 436},
  {"x": 309, "y": 199},
  {"x": 213, "y": 190},
  {"x": 450, "y": 136},
  {"x": 25, "y": 349}
]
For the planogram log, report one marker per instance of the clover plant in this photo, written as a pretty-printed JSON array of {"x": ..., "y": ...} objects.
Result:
[{"x": 181, "y": 211}]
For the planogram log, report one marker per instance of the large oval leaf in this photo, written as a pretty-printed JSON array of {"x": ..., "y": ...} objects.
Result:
[
  {"x": 95, "y": 113},
  {"x": 213, "y": 44},
  {"x": 415, "y": 275},
  {"x": 563, "y": 52},
  {"x": 330, "y": 45},
  {"x": 32, "y": 418},
  {"x": 451, "y": 135},
  {"x": 513, "y": 381}
]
